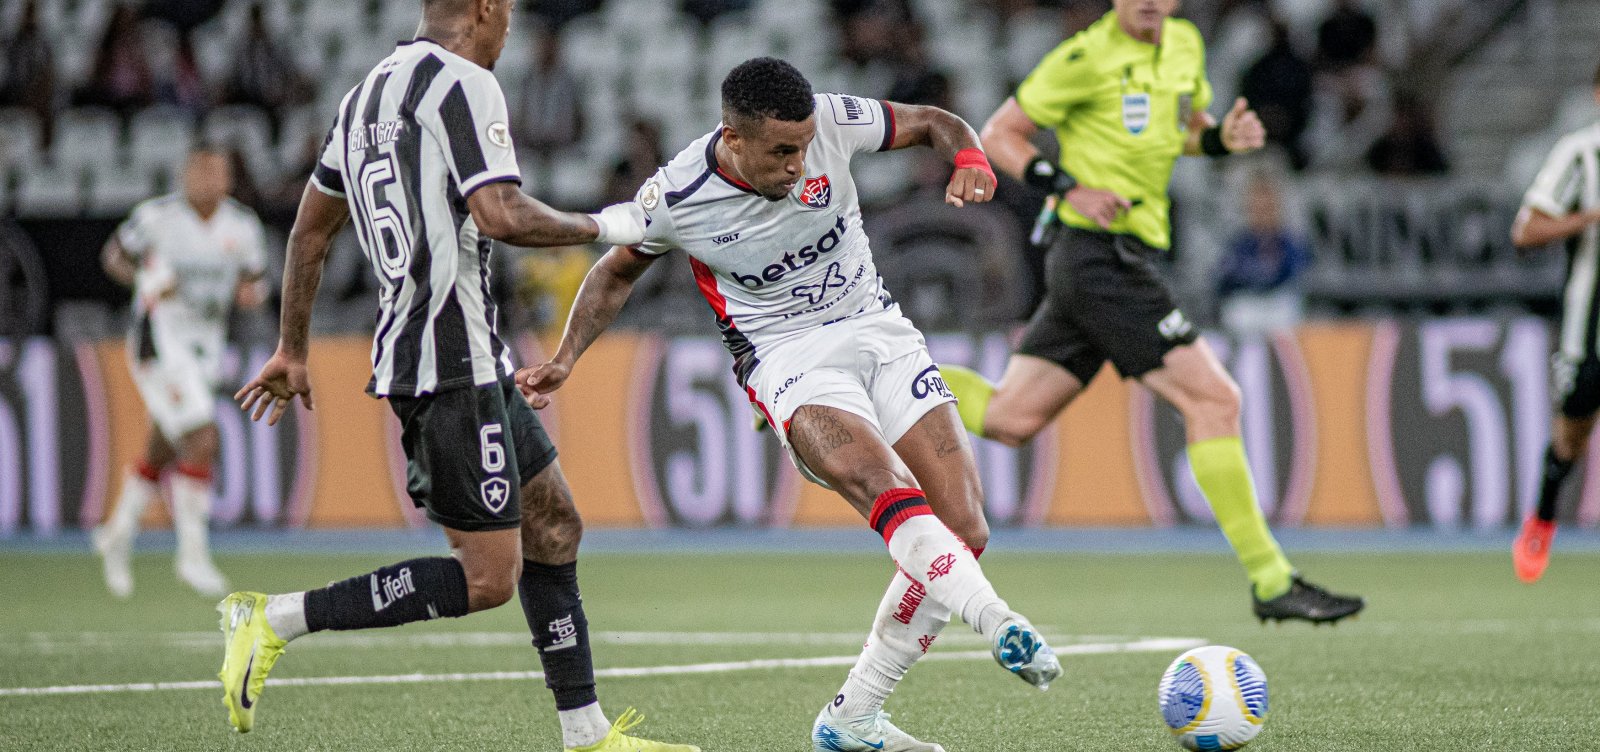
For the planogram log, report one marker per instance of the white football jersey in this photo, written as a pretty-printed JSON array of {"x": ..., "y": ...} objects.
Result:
[
  {"x": 205, "y": 258},
  {"x": 770, "y": 269}
]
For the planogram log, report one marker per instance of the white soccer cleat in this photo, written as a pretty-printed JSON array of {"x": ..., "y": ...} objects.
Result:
[
  {"x": 1020, "y": 649},
  {"x": 115, "y": 557},
  {"x": 203, "y": 576},
  {"x": 870, "y": 733}
]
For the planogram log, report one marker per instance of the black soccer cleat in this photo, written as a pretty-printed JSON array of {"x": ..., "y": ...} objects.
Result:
[{"x": 1307, "y": 602}]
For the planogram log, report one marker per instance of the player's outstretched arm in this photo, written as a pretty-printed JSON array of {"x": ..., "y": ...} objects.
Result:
[
  {"x": 284, "y": 375},
  {"x": 503, "y": 212},
  {"x": 920, "y": 125},
  {"x": 118, "y": 264},
  {"x": 1535, "y": 228},
  {"x": 605, "y": 290},
  {"x": 1007, "y": 138}
]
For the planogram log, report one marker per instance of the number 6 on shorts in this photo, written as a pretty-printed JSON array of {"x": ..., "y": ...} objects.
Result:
[{"x": 494, "y": 451}]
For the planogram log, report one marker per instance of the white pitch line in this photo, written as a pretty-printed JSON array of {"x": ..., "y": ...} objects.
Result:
[
  {"x": 1149, "y": 645},
  {"x": 37, "y": 643}
]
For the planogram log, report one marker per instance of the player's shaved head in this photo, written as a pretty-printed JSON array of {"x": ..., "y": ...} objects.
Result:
[
  {"x": 765, "y": 87},
  {"x": 473, "y": 29}
]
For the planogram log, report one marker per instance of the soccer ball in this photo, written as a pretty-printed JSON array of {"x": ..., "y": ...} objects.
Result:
[{"x": 1213, "y": 698}]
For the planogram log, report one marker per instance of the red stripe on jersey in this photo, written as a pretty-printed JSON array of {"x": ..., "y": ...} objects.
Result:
[
  {"x": 737, "y": 183},
  {"x": 707, "y": 282},
  {"x": 754, "y": 400}
]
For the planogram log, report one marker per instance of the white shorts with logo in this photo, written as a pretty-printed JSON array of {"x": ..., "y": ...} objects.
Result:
[
  {"x": 179, "y": 383},
  {"x": 875, "y": 365}
]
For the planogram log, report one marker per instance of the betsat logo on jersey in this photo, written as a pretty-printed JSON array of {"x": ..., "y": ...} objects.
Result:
[
  {"x": 805, "y": 257},
  {"x": 817, "y": 192}
]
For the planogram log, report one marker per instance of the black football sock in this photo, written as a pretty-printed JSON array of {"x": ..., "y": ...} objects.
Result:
[
  {"x": 554, "y": 609},
  {"x": 398, "y": 594},
  {"x": 1555, "y": 472}
]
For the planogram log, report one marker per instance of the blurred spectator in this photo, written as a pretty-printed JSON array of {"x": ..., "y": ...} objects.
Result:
[
  {"x": 120, "y": 78},
  {"x": 174, "y": 73},
  {"x": 547, "y": 114},
  {"x": 1346, "y": 37},
  {"x": 264, "y": 74},
  {"x": 1278, "y": 86},
  {"x": 871, "y": 30},
  {"x": 916, "y": 81},
  {"x": 28, "y": 78},
  {"x": 185, "y": 15},
  {"x": 556, "y": 13},
  {"x": 641, "y": 156},
  {"x": 706, "y": 11},
  {"x": 1261, "y": 269},
  {"x": 1409, "y": 147}
]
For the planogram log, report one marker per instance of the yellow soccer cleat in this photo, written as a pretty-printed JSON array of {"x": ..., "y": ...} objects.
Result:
[
  {"x": 617, "y": 741},
  {"x": 250, "y": 647}
]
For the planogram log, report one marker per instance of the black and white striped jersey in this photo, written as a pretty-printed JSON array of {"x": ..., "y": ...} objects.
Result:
[
  {"x": 1569, "y": 182},
  {"x": 423, "y": 131}
]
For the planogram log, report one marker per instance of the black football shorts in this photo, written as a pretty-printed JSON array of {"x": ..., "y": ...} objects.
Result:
[
  {"x": 468, "y": 451},
  {"x": 1104, "y": 300}
]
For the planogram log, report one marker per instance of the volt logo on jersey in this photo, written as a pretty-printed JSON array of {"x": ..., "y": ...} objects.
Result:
[
  {"x": 1136, "y": 112},
  {"x": 817, "y": 192}
]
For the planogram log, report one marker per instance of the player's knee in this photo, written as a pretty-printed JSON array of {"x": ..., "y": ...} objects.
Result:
[
  {"x": 1013, "y": 428},
  {"x": 200, "y": 446},
  {"x": 1216, "y": 402},
  {"x": 553, "y": 535},
  {"x": 974, "y": 533},
  {"x": 491, "y": 587}
]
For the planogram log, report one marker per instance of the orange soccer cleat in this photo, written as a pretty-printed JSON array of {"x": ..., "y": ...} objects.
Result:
[{"x": 1531, "y": 552}]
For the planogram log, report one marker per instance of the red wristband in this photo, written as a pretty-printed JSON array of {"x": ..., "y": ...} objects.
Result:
[{"x": 975, "y": 158}]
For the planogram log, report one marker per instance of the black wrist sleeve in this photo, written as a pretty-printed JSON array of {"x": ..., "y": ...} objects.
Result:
[
  {"x": 1211, "y": 142},
  {"x": 1041, "y": 173}
]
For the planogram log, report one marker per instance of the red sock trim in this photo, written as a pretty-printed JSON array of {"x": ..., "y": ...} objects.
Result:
[
  {"x": 197, "y": 472},
  {"x": 977, "y": 553},
  {"x": 894, "y": 507},
  {"x": 148, "y": 471}
]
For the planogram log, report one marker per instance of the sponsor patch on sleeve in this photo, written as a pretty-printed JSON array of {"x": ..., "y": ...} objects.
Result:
[{"x": 848, "y": 110}]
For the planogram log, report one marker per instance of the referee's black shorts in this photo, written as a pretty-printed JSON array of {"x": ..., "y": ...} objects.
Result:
[
  {"x": 1104, "y": 300},
  {"x": 468, "y": 451}
]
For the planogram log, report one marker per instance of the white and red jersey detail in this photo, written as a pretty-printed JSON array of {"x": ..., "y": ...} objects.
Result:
[{"x": 771, "y": 269}]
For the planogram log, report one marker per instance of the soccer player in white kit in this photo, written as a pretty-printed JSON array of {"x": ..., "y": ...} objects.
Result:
[
  {"x": 191, "y": 257},
  {"x": 765, "y": 205}
]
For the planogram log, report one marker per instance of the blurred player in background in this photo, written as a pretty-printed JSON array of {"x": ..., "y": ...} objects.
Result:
[
  {"x": 1564, "y": 204},
  {"x": 191, "y": 258},
  {"x": 765, "y": 206},
  {"x": 420, "y": 157},
  {"x": 1126, "y": 97}
]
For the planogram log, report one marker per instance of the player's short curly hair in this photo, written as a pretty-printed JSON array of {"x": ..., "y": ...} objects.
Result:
[{"x": 765, "y": 87}]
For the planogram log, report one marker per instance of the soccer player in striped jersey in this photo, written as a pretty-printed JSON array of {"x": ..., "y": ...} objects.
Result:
[
  {"x": 765, "y": 206},
  {"x": 420, "y": 160},
  {"x": 1564, "y": 204}
]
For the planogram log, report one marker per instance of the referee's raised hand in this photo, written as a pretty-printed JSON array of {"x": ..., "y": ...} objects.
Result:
[{"x": 1242, "y": 131}]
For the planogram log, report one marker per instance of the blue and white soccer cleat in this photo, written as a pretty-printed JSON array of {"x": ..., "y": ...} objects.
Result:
[
  {"x": 870, "y": 733},
  {"x": 1020, "y": 649}
]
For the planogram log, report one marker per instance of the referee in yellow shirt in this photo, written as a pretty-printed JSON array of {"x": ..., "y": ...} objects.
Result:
[{"x": 1126, "y": 97}]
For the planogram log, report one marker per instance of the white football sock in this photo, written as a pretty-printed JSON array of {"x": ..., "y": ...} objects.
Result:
[
  {"x": 137, "y": 491},
  {"x": 905, "y": 627},
  {"x": 286, "y": 614},
  {"x": 191, "y": 516},
  {"x": 583, "y": 727},
  {"x": 926, "y": 551}
]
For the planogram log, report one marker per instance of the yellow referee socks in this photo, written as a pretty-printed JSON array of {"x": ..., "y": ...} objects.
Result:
[
  {"x": 1224, "y": 477},
  {"x": 972, "y": 393}
]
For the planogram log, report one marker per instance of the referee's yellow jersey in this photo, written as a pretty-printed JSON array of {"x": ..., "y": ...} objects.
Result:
[{"x": 1120, "y": 109}]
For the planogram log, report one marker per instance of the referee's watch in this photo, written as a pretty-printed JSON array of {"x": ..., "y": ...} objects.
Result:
[{"x": 1043, "y": 174}]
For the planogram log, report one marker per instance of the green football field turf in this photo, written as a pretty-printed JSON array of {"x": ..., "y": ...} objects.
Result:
[{"x": 1452, "y": 654}]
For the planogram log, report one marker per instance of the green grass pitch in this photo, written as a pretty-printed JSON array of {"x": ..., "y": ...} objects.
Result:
[{"x": 1452, "y": 654}]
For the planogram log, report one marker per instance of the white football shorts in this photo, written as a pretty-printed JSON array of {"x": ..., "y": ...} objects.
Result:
[
  {"x": 875, "y": 365},
  {"x": 179, "y": 384}
]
